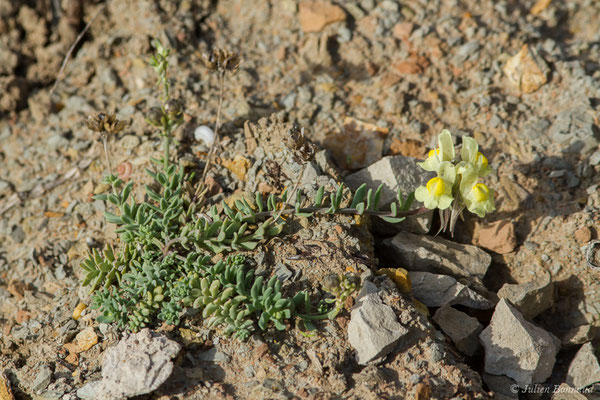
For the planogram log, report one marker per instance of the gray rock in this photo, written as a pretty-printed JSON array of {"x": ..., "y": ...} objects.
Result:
[
  {"x": 56, "y": 142},
  {"x": 396, "y": 173},
  {"x": 530, "y": 298},
  {"x": 595, "y": 158},
  {"x": 436, "y": 290},
  {"x": 578, "y": 336},
  {"x": 438, "y": 255},
  {"x": 17, "y": 234},
  {"x": 213, "y": 355},
  {"x": 137, "y": 365},
  {"x": 129, "y": 142},
  {"x": 566, "y": 392},
  {"x": 517, "y": 348},
  {"x": 374, "y": 329},
  {"x": 5, "y": 188},
  {"x": 574, "y": 128},
  {"x": 501, "y": 386},
  {"x": 462, "y": 329},
  {"x": 584, "y": 369},
  {"x": 465, "y": 51},
  {"x": 42, "y": 379}
]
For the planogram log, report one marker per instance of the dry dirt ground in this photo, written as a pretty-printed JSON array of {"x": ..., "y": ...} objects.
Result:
[{"x": 409, "y": 69}]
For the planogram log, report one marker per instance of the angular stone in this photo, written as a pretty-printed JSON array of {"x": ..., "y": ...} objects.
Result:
[
  {"x": 498, "y": 236},
  {"x": 584, "y": 369},
  {"x": 574, "y": 129},
  {"x": 566, "y": 392},
  {"x": 501, "y": 386},
  {"x": 137, "y": 365},
  {"x": 374, "y": 329},
  {"x": 316, "y": 15},
  {"x": 436, "y": 290},
  {"x": 438, "y": 255},
  {"x": 578, "y": 336},
  {"x": 526, "y": 70},
  {"x": 517, "y": 348},
  {"x": 396, "y": 173},
  {"x": 530, "y": 298},
  {"x": 462, "y": 329},
  {"x": 86, "y": 339},
  {"x": 42, "y": 379}
]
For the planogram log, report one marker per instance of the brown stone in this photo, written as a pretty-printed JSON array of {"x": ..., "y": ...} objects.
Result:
[
  {"x": 86, "y": 339},
  {"x": 402, "y": 30},
  {"x": 17, "y": 288},
  {"x": 498, "y": 236},
  {"x": 316, "y": 15},
  {"x": 583, "y": 234},
  {"x": 526, "y": 70}
]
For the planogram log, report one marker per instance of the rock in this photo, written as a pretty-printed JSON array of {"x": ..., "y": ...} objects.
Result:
[
  {"x": 357, "y": 145},
  {"x": 374, "y": 329},
  {"x": 517, "y": 348},
  {"x": 465, "y": 52},
  {"x": 498, "y": 236},
  {"x": 396, "y": 173},
  {"x": 584, "y": 369},
  {"x": 583, "y": 234},
  {"x": 129, "y": 142},
  {"x": 530, "y": 298},
  {"x": 316, "y": 15},
  {"x": 399, "y": 276},
  {"x": 566, "y": 392},
  {"x": 435, "y": 290},
  {"x": 578, "y": 335},
  {"x": 526, "y": 70},
  {"x": 86, "y": 339},
  {"x": 438, "y": 255},
  {"x": 17, "y": 234},
  {"x": 42, "y": 379},
  {"x": 502, "y": 386},
  {"x": 462, "y": 329},
  {"x": 574, "y": 129},
  {"x": 213, "y": 355},
  {"x": 137, "y": 365},
  {"x": 5, "y": 390}
]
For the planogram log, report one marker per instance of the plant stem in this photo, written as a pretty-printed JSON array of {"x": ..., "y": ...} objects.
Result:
[
  {"x": 105, "y": 144},
  {"x": 293, "y": 193},
  {"x": 215, "y": 142},
  {"x": 347, "y": 211},
  {"x": 166, "y": 145}
]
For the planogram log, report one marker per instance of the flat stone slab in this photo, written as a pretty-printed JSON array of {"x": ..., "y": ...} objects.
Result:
[
  {"x": 436, "y": 290},
  {"x": 438, "y": 255}
]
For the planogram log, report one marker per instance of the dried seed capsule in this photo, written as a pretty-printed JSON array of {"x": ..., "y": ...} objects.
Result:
[
  {"x": 173, "y": 107},
  {"x": 154, "y": 116}
]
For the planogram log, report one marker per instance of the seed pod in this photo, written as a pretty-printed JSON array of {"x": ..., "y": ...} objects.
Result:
[
  {"x": 154, "y": 116},
  {"x": 173, "y": 107}
]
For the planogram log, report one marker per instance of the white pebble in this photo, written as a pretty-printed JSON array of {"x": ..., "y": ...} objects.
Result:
[{"x": 205, "y": 134}]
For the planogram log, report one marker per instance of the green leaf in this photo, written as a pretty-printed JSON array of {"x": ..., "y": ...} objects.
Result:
[
  {"x": 112, "y": 218},
  {"x": 319, "y": 196},
  {"x": 102, "y": 197},
  {"x": 359, "y": 196}
]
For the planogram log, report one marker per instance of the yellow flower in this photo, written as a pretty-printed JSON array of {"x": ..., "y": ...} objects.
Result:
[
  {"x": 470, "y": 155},
  {"x": 478, "y": 198},
  {"x": 438, "y": 191},
  {"x": 444, "y": 152}
]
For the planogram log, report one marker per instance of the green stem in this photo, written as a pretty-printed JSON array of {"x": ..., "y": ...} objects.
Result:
[
  {"x": 166, "y": 145},
  {"x": 348, "y": 211}
]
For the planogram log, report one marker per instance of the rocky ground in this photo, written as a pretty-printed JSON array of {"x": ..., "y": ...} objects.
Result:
[{"x": 507, "y": 308}]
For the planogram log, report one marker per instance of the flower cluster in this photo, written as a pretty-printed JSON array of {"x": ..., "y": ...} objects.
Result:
[{"x": 456, "y": 184}]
